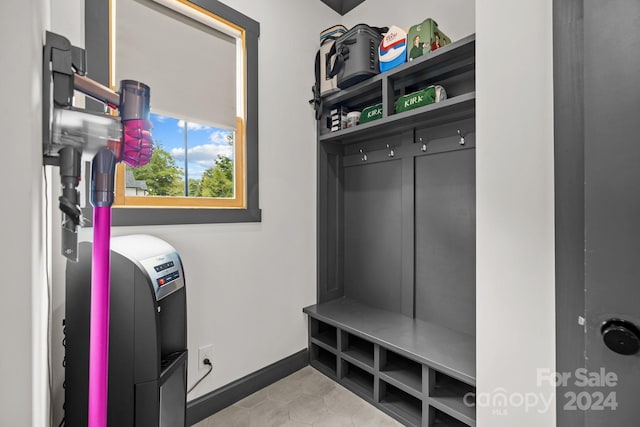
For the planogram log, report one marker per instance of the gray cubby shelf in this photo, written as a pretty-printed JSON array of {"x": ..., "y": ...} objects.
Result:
[
  {"x": 358, "y": 380},
  {"x": 404, "y": 406},
  {"x": 446, "y": 350},
  {"x": 448, "y": 395},
  {"x": 358, "y": 351},
  {"x": 324, "y": 335},
  {"x": 395, "y": 319},
  {"x": 323, "y": 360},
  {"x": 401, "y": 372},
  {"x": 442, "y": 419},
  {"x": 417, "y": 363}
]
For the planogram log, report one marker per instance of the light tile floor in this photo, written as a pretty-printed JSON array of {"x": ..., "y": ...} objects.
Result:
[{"x": 305, "y": 398}]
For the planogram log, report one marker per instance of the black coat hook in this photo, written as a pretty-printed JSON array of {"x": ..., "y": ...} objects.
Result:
[{"x": 461, "y": 142}]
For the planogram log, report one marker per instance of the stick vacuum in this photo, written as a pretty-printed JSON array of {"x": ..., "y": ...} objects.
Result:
[
  {"x": 134, "y": 150},
  {"x": 69, "y": 133}
]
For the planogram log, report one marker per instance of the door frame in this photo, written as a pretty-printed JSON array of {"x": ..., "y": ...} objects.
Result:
[{"x": 569, "y": 168}]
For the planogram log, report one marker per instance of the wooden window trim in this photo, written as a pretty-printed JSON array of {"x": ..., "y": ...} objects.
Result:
[{"x": 239, "y": 201}]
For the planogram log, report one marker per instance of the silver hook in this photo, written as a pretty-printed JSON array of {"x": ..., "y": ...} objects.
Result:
[
  {"x": 391, "y": 152},
  {"x": 424, "y": 146},
  {"x": 461, "y": 142},
  {"x": 364, "y": 155}
]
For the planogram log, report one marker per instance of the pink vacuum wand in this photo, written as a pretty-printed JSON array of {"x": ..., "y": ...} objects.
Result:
[{"x": 134, "y": 149}]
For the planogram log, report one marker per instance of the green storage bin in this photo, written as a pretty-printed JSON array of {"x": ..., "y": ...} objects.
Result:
[
  {"x": 420, "y": 98},
  {"x": 425, "y": 37},
  {"x": 371, "y": 113}
]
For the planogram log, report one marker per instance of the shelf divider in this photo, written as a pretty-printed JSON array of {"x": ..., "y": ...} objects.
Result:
[{"x": 357, "y": 362}]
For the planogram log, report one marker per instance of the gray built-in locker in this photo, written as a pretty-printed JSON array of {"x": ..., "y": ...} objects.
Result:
[
  {"x": 373, "y": 233},
  {"x": 445, "y": 232},
  {"x": 395, "y": 319}
]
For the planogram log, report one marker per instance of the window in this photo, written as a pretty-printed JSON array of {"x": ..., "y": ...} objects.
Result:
[
  {"x": 190, "y": 160},
  {"x": 200, "y": 60}
]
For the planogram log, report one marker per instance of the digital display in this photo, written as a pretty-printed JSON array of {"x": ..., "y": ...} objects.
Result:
[{"x": 164, "y": 266}]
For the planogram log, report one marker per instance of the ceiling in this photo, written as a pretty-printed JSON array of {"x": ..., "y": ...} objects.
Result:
[{"x": 342, "y": 6}]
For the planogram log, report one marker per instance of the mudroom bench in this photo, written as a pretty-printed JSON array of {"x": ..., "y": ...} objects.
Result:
[{"x": 413, "y": 370}]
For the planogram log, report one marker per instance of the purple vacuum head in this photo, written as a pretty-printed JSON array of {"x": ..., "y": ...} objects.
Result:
[{"x": 137, "y": 142}]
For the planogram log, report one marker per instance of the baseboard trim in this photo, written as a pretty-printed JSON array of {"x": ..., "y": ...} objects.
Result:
[{"x": 216, "y": 400}]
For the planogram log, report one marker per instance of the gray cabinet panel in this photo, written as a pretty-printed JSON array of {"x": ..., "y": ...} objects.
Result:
[
  {"x": 373, "y": 234},
  {"x": 445, "y": 239},
  {"x": 330, "y": 275}
]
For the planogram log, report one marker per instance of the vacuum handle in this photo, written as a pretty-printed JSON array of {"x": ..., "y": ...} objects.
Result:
[{"x": 96, "y": 90}]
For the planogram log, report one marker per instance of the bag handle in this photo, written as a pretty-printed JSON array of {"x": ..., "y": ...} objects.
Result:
[
  {"x": 379, "y": 30},
  {"x": 340, "y": 56},
  {"x": 316, "y": 102},
  {"x": 338, "y": 63}
]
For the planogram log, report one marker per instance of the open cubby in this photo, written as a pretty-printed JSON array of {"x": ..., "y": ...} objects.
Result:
[
  {"x": 323, "y": 360},
  {"x": 357, "y": 349},
  {"x": 453, "y": 396},
  {"x": 324, "y": 333},
  {"x": 402, "y": 371},
  {"x": 405, "y": 406},
  {"x": 441, "y": 419},
  {"x": 360, "y": 380}
]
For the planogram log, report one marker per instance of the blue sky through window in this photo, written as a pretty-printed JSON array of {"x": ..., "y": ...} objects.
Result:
[{"x": 204, "y": 143}]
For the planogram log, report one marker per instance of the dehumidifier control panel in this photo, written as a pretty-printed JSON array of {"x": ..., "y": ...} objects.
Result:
[
  {"x": 157, "y": 258},
  {"x": 165, "y": 273}
]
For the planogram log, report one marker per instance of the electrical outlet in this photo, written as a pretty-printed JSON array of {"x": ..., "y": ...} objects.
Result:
[{"x": 205, "y": 352}]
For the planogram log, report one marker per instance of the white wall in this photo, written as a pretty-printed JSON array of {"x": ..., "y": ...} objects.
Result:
[
  {"x": 247, "y": 283},
  {"x": 67, "y": 19},
  {"x": 515, "y": 207},
  {"x": 23, "y": 364},
  {"x": 454, "y": 17}
]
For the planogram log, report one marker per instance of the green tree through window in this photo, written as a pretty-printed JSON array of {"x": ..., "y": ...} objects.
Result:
[
  {"x": 204, "y": 154},
  {"x": 162, "y": 175},
  {"x": 218, "y": 181}
]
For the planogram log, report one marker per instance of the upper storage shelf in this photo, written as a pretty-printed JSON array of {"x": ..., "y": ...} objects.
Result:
[
  {"x": 459, "y": 107},
  {"x": 452, "y": 66}
]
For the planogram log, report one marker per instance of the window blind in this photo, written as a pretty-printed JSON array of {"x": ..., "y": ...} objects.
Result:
[{"x": 190, "y": 67}]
